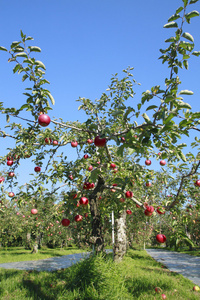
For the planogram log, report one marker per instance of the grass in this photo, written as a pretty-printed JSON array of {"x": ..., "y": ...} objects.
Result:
[
  {"x": 20, "y": 254},
  {"x": 98, "y": 278}
]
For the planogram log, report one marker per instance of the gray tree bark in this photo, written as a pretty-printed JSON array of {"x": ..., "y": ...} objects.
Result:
[{"x": 120, "y": 246}]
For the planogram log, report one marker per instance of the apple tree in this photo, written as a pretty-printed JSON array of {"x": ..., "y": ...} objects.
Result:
[{"x": 116, "y": 137}]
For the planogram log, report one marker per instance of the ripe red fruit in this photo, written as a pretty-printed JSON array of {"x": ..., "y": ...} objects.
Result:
[
  {"x": 44, "y": 120},
  {"x": 9, "y": 162},
  {"x": 113, "y": 190},
  {"x": 34, "y": 211},
  {"x": 160, "y": 211},
  {"x": 75, "y": 196},
  {"x": 162, "y": 162},
  {"x": 129, "y": 194},
  {"x": 112, "y": 166},
  {"x": 65, "y": 222},
  {"x": 161, "y": 238},
  {"x": 90, "y": 168},
  {"x": 74, "y": 144},
  {"x": 150, "y": 209},
  {"x": 9, "y": 158},
  {"x": 138, "y": 206},
  {"x": 11, "y": 174},
  {"x": 158, "y": 290},
  {"x": 99, "y": 142},
  {"x": 86, "y": 215},
  {"x": 123, "y": 139},
  {"x": 86, "y": 156},
  {"x": 11, "y": 194},
  {"x": 115, "y": 170},
  {"x": 2, "y": 179},
  {"x": 164, "y": 296},
  {"x": 122, "y": 200},
  {"x": 91, "y": 185},
  {"x": 83, "y": 201},
  {"x": 148, "y": 184},
  {"x": 71, "y": 177},
  {"x": 37, "y": 169},
  {"x": 147, "y": 213},
  {"x": 55, "y": 143},
  {"x": 89, "y": 141},
  {"x": 129, "y": 212},
  {"x": 78, "y": 218},
  {"x": 48, "y": 141},
  {"x": 147, "y": 162},
  {"x": 197, "y": 183}
]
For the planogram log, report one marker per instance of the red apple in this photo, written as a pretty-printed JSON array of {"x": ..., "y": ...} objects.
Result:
[
  {"x": 74, "y": 144},
  {"x": 147, "y": 162},
  {"x": 129, "y": 212},
  {"x": 164, "y": 296},
  {"x": 162, "y": 162},
  {"x": 48, "y": 141},
  {"x": 148, "y": 184},
  {"x": 160, "y": 210},
  {"x": 158, "y": 290},
  {"x": 89, "y": 141},
  {"x": 11, "y": 194},
  {"x": 99, "y": 142},
  {"x": 161, "y": 238},
  {"x": 71, "y": 177},
  {"x": 34, "y": 211},
  {"x": 75, "y": 196},
  {"x": 9, "y": 158},
  {"x": 90, "y": 168},
  {"x": 86, "y": 156},
  {"x": 86, "y": 215},
  {"x": 115, "y": 170},
  {"x": 129, "y": 194},
  {"x": 78, "y": 218},
  {"x": 147, "y": 213},
  {"x": 83, "y": 201},
  {"x": 197, "y": 183},
  {"x": 122, "y": 200},
  {"x": 196, "y": 288},
  {"x": 150, "y": 208},
  {"x": 112, "y": 166},
  {"x": 2, "y": 179},
  {"x": 138, "y": 206},
  {"x": 65, "y": 222},
  {"x": 9, "y": 162},
  {"x": 11, "y": 174},
  {"x": 55, "y": 143},
  {"x": 44, "y": 120},
  {"x": 123, "y": 139},
  {"x": 37, "y": 169}
]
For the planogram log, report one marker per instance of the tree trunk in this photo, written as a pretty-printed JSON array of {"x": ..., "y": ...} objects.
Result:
[
  {"x": 28, "y": 241},
  {"x": 97, "y": 238},
  {"x": 120, "y": 246},
  {"x": 35, "y": 248}
]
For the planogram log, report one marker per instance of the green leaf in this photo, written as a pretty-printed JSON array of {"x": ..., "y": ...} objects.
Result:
[
  {"x": 120, "y": 150},
  {"x": 188, "y": 36},
  {"x": 192, "y": 14},
  {"x": 174, "y": 17},
  {"x": 186, "y": 92},
  {"x": 3, "y": 48},
  {"x": 29, "y": 38},
  {"x": 40, "y": 64},
  {"x": 193, "y": 1},
  {"x": 196, "y": 53},
  {"x": 145, "y": 117},
  {"x": 151, "y": 107},
  {"x": 186, "y": 56},
  {"x": 16, "y": 68},
  {"x": 182, "y": 156},
  {"x": 51, "y": 98},
  {"x": 168, "y": 118},
  {"x": 22, "y": 54},
  {"x": 185, "y": 2},
  {"x": 34, "y": 48},
  {"x": 171, "y": 25},
  {"x": 25, "y": 76},
  {"x": 94, "y": 175},
  {"x": 7, "y": 118},
  {"x": 185, "y": 63},
  {"x": 179, "y": 10},
  {"x": 118, "y": 112}
]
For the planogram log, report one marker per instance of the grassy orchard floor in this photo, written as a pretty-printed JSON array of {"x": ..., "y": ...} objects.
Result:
[
  {"x": 98, "y": 278},
  {"x": 185, "y": 251},
  {"x": 15, "y": 254}
]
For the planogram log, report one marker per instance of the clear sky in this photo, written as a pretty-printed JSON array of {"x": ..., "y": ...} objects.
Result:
[{"x": 84, "y": 42}]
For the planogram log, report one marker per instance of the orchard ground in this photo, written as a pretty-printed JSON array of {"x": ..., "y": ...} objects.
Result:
[{"x": 136, "y": 277}]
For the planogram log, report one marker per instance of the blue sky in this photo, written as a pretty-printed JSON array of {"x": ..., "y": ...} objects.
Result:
[{"x": 84, "y": 42}]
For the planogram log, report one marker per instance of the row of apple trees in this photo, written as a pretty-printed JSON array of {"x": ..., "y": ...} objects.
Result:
[{"x": 114, "y": 145}]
